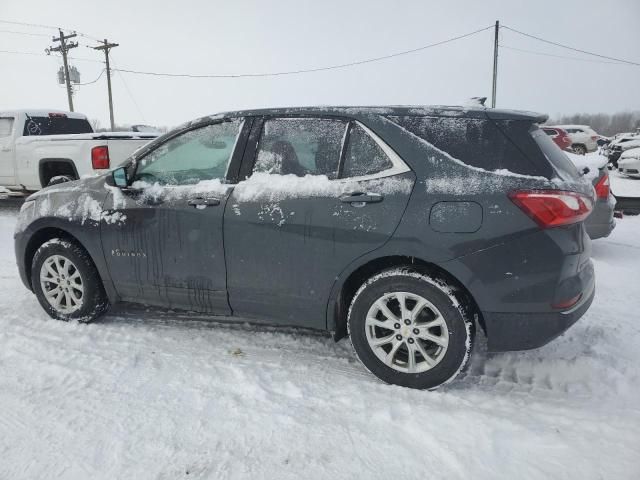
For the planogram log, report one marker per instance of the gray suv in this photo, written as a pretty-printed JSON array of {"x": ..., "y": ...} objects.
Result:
[{"x": 400, "y": 227}]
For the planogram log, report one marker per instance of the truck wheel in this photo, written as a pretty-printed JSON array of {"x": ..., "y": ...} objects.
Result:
[
  {"x": 410, "y": 329},
  {"x": 66, "y": 282},
  {"x": 579, "y": 149}
]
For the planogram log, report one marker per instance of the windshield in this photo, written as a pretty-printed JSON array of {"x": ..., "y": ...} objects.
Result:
[{"x": 55, "y": 126}]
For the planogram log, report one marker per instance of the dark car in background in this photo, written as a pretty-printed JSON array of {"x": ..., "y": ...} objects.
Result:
[{"x": 401, "y": 227}]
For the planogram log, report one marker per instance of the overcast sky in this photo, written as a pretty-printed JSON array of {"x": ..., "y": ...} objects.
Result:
[{"x": 207, "y": 36}]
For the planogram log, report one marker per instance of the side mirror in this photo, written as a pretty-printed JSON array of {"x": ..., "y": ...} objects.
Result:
[{"x": 119, "y": 177}]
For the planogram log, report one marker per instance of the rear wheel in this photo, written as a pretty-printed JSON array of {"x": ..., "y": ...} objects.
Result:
[
  {"x": 410, "y": 329},
  {"x": 579, "y": 149},
  {"x": 66, "y": 282}
]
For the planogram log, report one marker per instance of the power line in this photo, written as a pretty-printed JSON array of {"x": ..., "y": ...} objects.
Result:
[
  {"x": 133, "y": 100},
  {"x": 51, "y": 27},
  {"x": 560, "y": 56},
  {"x": 93, "y": 81},
  {"x": 78, "y": 59},
  {"x": 15, "y": 52},
  {"x": 308, "y": 70},
  {"x": 571, "y": 48},
  {"x": 26, "y": 33}
]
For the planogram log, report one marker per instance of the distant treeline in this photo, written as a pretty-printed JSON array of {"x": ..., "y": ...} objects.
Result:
[{"x": 603, "y": 123}]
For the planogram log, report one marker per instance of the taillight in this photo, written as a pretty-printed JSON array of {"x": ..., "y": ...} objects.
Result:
[
  {"x": 603, "y": 187},
  {"x": 100, "y": 157},
  {"x": 553, "y": 208},
  {"x": 594, "y": 137},
  {"x": 567, "y": 303}
]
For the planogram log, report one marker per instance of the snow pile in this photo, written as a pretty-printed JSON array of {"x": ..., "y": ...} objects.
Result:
[
  {"x": 147, "y": 395},
  {"x": 593, "y": 161},
  {"x": 262, "y": 186},
  {"x": 174, "y": 192}
]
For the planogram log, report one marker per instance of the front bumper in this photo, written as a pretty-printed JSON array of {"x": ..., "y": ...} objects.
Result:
[{"x": 525, "y": 331}]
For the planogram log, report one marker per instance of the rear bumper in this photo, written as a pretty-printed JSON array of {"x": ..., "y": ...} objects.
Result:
[
  {"x": 524, "y": 331},
  {"x": 601, "y": 222}
]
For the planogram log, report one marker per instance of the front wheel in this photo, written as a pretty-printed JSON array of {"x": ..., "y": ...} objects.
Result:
[
  {"x": 66, "y": 282},
  {"x": 411, "y": 329}
]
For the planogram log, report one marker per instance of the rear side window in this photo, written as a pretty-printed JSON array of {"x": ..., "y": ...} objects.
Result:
[
  {"x": 479, "y": 142},
  {"x": 364, "y": 156},
  {"x": 300, "y": 146},
  {"x": 6, "y": 126},
  {"x": 59, "y": 125}
]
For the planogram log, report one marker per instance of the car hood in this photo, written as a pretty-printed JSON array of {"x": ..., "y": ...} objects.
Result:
[
  {"x": 631, "y": 153},
  {"x": 76, "y": 187}
]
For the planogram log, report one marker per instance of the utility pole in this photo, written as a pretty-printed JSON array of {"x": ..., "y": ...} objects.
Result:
[
  {"x": 106, "y": 46},
  {"x": 63, "y": 48},
  {"x": 495, "y": 65}
]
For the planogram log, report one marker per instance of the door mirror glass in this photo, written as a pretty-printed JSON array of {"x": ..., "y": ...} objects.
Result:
[{"x": 120, "y": 177}]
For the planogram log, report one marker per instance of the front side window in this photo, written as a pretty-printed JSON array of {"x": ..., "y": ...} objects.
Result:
[
  {"x": 6, "y": 126},
  {"x": 364, "y": 156},
  {"x": 196, "y": 155},
  {"x": 300, "y": 146}
]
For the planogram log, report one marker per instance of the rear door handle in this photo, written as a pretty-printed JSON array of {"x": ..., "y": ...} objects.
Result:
[
  {"x": 362, "y": 198},
  {"x": 202, "y": 202}
]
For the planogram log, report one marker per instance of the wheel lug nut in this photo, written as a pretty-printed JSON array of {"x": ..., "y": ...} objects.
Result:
[
  {"x": 416, "y": 331},
  {"x": 396, "y": 326},
  {"x": 398, "y": 337},
  {"x": 407, "y": 322},
  {"x": 411, "y": 340}
]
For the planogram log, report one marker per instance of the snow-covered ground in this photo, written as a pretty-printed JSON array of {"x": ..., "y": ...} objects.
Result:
[{"x": 155, "y": 396}]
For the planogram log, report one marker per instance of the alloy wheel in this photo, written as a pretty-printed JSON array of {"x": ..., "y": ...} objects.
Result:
[
  {"x": 61, "y": 284},
  {"x": 406, "y": 332}
]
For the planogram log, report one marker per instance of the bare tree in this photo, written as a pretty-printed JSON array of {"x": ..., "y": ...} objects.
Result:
[
  {"x": 95, "y": 124},
  {"x": 602, "y": 123}
]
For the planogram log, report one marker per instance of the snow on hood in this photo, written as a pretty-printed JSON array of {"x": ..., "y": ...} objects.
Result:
[{"x": 631, "y": 153}]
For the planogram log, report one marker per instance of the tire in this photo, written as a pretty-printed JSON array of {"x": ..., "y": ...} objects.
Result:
[
  {"x": 447, "y": 342},
  {"x": 579, "y": 149},
  {"x": 82, "y": 298}
]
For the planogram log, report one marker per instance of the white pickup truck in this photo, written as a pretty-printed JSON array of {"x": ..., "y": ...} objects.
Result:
[{"x": 38, "y": 145}]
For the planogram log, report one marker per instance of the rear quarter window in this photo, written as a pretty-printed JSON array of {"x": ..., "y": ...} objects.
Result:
[{"x": 483, "y": 143}]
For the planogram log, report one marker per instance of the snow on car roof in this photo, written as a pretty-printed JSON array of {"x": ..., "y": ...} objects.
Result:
[
  {"x": 571, "y": 126},
  {"x": 42, "y": 113},
  {"x": 632, "y": 152}
]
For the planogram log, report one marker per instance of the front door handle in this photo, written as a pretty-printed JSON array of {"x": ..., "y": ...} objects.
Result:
[
  {"x": 362, "y": 198},
  {"x": 202, "y": 202}
]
